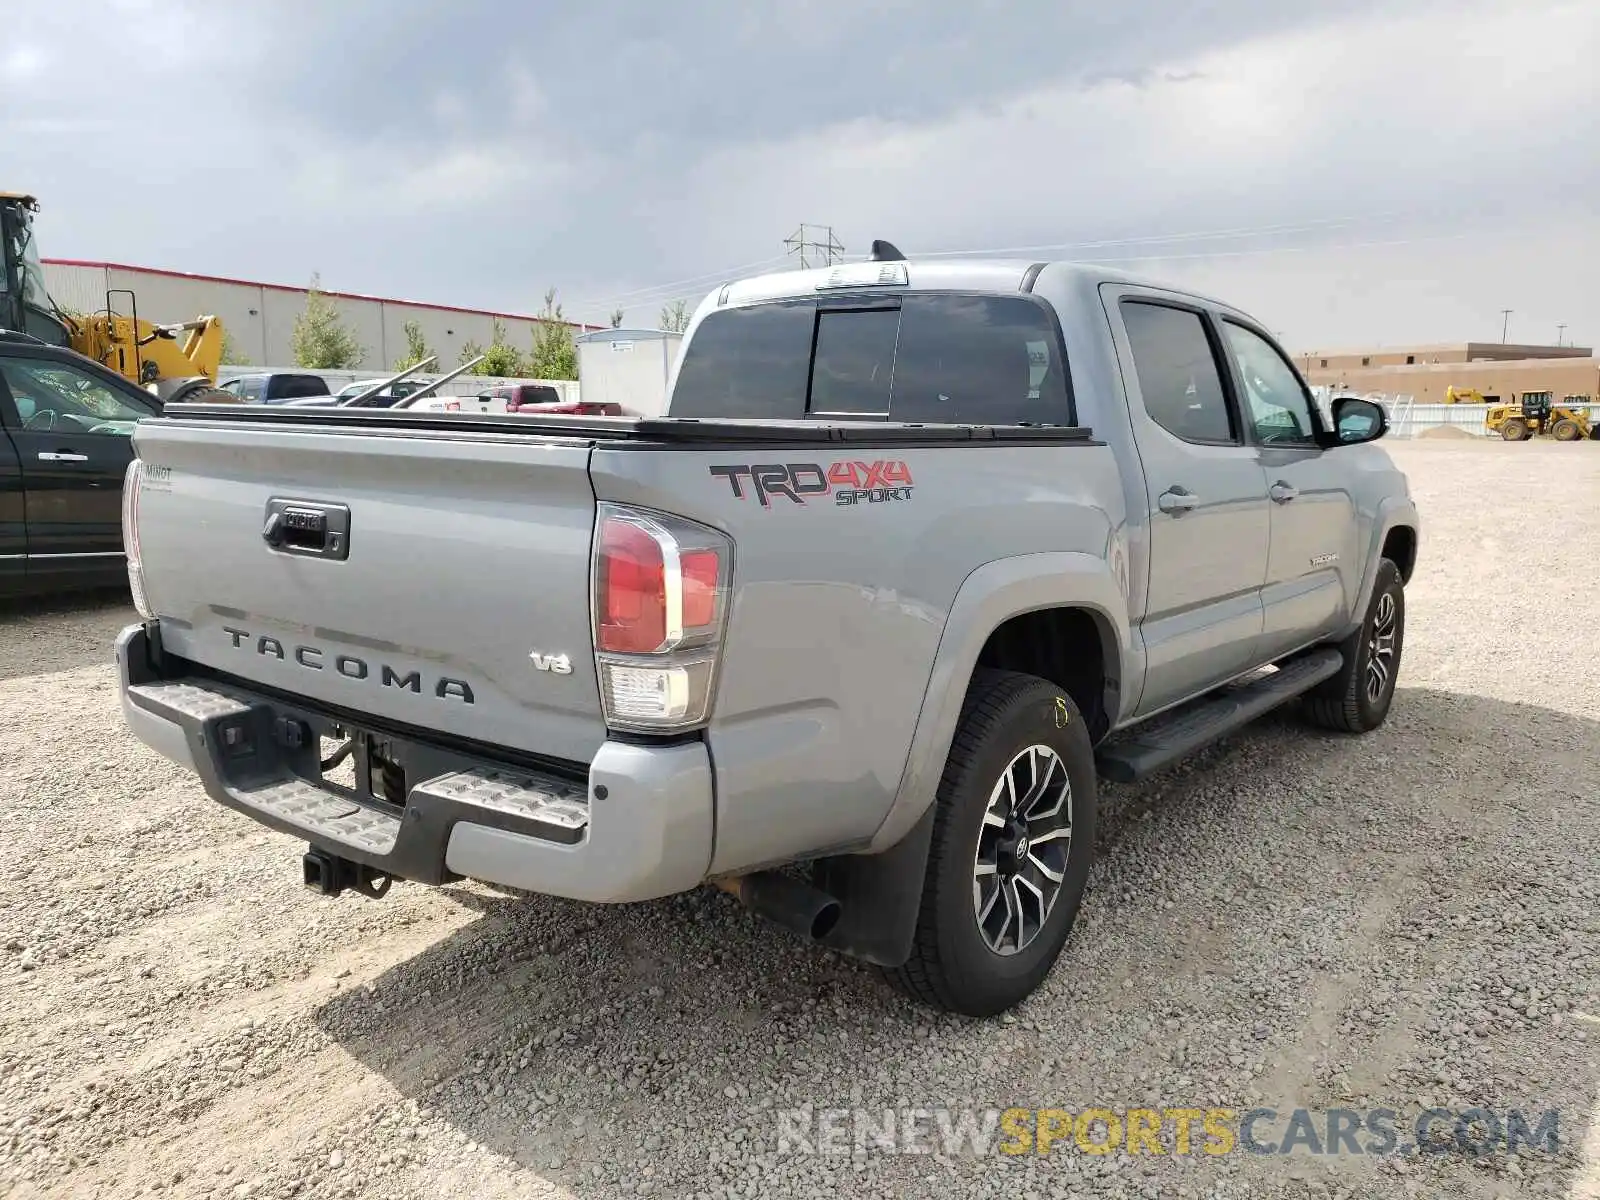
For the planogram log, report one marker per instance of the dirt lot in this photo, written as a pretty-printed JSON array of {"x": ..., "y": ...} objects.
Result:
[{"x": 1294, "y": 920}]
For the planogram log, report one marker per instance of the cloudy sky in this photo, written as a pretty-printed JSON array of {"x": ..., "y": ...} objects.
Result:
[{"x": 1352, "y": 172}]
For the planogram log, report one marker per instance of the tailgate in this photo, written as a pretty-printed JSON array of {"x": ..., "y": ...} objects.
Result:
[{"x": 458, "y": 602}]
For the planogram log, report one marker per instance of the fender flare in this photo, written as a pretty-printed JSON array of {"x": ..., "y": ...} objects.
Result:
[
  {"x": 1394, "y": 512},
  {"x": 990, "y": 596}
]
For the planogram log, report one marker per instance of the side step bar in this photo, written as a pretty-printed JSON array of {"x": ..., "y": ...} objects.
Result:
[{"x": 1163, "y": 740}]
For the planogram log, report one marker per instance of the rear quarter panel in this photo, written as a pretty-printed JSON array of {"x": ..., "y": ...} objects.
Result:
[{"x": 838, "y": 611}]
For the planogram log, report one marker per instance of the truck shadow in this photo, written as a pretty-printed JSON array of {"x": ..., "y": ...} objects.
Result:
[
  {"x": 560, "y": 1035},
  {"x": 40, "y": 635}
]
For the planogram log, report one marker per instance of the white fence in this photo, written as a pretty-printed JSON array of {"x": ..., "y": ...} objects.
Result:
[
  {"x": 1408, "y": 418},
  {"x": 461, "y": 385}
]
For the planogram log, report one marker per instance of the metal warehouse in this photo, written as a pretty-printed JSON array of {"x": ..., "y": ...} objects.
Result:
[{"x": 259, "y": 317}]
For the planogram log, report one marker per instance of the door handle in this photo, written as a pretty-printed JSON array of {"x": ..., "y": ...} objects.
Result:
[
  {"x": 1282, "y": 492},
  {"x": 61, "y": 456},
  {"x": 1177, "y": 499}
]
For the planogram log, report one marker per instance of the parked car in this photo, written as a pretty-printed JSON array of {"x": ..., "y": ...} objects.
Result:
[
  {"x": 64, "y": 449},
  {"x": 274, "y": 387},
  {"x": 385, "y": 399},
  {"x": 920, "y": 553}
]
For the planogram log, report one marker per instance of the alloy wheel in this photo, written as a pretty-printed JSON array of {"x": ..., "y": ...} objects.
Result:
[
  {"x": 1380, "y": 648},
  {"x": 1021, "y": 858}
]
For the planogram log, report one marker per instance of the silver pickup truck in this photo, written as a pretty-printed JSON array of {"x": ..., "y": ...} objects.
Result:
[{"x": 920, "y": 552}]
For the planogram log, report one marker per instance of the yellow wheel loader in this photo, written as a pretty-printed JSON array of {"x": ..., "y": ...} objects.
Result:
[
  {"x": 175, "y": 362},
  {"x": 1536, "y": 415}
]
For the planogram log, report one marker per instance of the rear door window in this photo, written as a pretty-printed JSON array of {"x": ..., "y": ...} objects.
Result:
[{"x": 1177, "y": 372}]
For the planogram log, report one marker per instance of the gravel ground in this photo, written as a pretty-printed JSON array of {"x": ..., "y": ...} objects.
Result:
[{"x": 1292, "y": 920}]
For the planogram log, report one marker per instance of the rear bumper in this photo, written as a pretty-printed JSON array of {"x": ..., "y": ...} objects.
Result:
[{"x": 639, "y": 827}]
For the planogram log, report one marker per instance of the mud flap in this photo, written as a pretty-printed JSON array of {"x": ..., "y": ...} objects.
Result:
[{"x": 879, "y": 897}]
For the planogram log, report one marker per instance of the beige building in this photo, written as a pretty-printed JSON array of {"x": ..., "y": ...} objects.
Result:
[{"x": 1498, "y": 370}]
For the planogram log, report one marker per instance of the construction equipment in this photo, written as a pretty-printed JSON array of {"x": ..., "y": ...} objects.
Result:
[
  {"x": 1455, "y": 395},
  {"x": 175, "y": 362},
  {"x": 1536, "y": 415}
]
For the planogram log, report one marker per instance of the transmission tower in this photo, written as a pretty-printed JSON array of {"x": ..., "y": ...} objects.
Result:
[{"x": 815, "y": 251}]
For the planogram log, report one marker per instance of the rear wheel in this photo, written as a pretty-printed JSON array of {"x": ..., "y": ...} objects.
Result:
[
  {"x": 1515, "y": 429},
  {"x": 1566, "y": 430},
  {"x": 1357, "y": 699},
  {"x": 1013, "y": 838}
]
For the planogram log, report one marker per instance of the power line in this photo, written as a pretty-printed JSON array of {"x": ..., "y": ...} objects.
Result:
[
  {"x": 643, "y": 295},
  {"x": 828, "y": 249},
  {"x": 1159, "y": 239}
]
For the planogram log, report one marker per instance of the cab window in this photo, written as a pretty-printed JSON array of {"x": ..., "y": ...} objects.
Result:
[{"x": 1277, "y": 406}]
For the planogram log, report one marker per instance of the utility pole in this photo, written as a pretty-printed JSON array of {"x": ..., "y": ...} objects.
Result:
[
  {"x": 814, "y": 251},
  {"x": 1561, "y": 330},
  {"x": 1505, "y": 323}
]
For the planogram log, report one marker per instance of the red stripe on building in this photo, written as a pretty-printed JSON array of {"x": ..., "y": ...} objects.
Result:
[{"x": 284, "y": 287}]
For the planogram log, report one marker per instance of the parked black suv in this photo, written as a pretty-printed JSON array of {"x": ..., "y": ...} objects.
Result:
[{"x": 65, "y": 423}]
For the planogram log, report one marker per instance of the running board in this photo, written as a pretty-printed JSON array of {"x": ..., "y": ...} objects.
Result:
[{"x": 1163, "y": 740}]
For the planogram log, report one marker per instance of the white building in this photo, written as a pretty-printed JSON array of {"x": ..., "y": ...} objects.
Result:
[
  {"x": 259, "y": 317},
  {"x": 630, "y": 367}
]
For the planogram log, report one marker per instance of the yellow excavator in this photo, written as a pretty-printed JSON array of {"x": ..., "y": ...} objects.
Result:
[
  {"x": 1536, "y": 415},
  {"x": 175, "y": 362}
]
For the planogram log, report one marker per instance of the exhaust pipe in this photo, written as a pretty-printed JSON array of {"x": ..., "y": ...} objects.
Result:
[{"x": 786, "y": 901}]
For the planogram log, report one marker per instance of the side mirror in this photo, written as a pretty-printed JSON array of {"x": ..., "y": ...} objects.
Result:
[{"x": 1356, "y": 420}]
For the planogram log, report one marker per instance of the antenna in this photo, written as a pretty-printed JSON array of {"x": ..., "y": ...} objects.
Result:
[{"x": 883, "y": 251}]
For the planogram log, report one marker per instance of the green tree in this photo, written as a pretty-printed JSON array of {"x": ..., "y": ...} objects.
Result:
[
  {"x": 675, "y": 317},
  {"x": 320, "y": 340},
  {"x": 555, "y": 354},
  {"x": 500, "y": 359},
  {"x": 416, "y": 346},
  {"x": 616, "y": 318},
  {"x": 232, "y": 356}
]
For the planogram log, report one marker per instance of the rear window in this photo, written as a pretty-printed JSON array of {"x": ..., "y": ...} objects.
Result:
[
  {"x": 928, "y": 358},
  {"x": 290, "y": 386},
  {"x": 532, "y": 394}
]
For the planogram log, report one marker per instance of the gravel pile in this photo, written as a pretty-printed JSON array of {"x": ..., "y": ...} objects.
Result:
[{"x": 1291, "y": 920}]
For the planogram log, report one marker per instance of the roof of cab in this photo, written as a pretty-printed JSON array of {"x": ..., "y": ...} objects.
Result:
[{"x": 972, "y": 275}]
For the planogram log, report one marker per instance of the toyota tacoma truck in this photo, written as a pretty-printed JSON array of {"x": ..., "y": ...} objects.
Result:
[{"x": 919, "y": 553}]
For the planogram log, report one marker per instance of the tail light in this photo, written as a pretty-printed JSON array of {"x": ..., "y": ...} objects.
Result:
[
  {"x": 130, "y": 536},
  {"x": 660, "y": 609}
]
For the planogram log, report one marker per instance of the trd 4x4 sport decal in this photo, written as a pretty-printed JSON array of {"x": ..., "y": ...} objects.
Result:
[{"x": 847, "y": 482}]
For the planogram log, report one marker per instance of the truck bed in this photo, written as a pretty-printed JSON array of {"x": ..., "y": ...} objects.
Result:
[{"x": 459, "y": 607}]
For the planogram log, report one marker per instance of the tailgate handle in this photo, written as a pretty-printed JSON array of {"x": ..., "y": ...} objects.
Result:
[{"x": 308, "y": 528}]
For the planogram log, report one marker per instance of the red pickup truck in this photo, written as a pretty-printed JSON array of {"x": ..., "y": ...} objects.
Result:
[{"x": 544, "y": 399}]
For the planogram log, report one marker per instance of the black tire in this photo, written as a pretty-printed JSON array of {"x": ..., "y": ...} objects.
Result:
[
  {"x": 1566, "y": 430},
  {"x": 1514, "y": 430},
  {"x": 952, "y": 965},
  {"x": 1347, "y": 703},
  {"x": 204, "y": 395}
]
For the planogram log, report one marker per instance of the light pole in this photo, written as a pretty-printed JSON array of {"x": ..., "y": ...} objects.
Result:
[
  {"x": 1505, "y": 324},
  {"x": 1561, "y": 330}
]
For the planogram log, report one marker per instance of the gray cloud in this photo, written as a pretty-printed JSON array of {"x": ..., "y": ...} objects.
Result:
[{"x": 473, "y": 153}]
